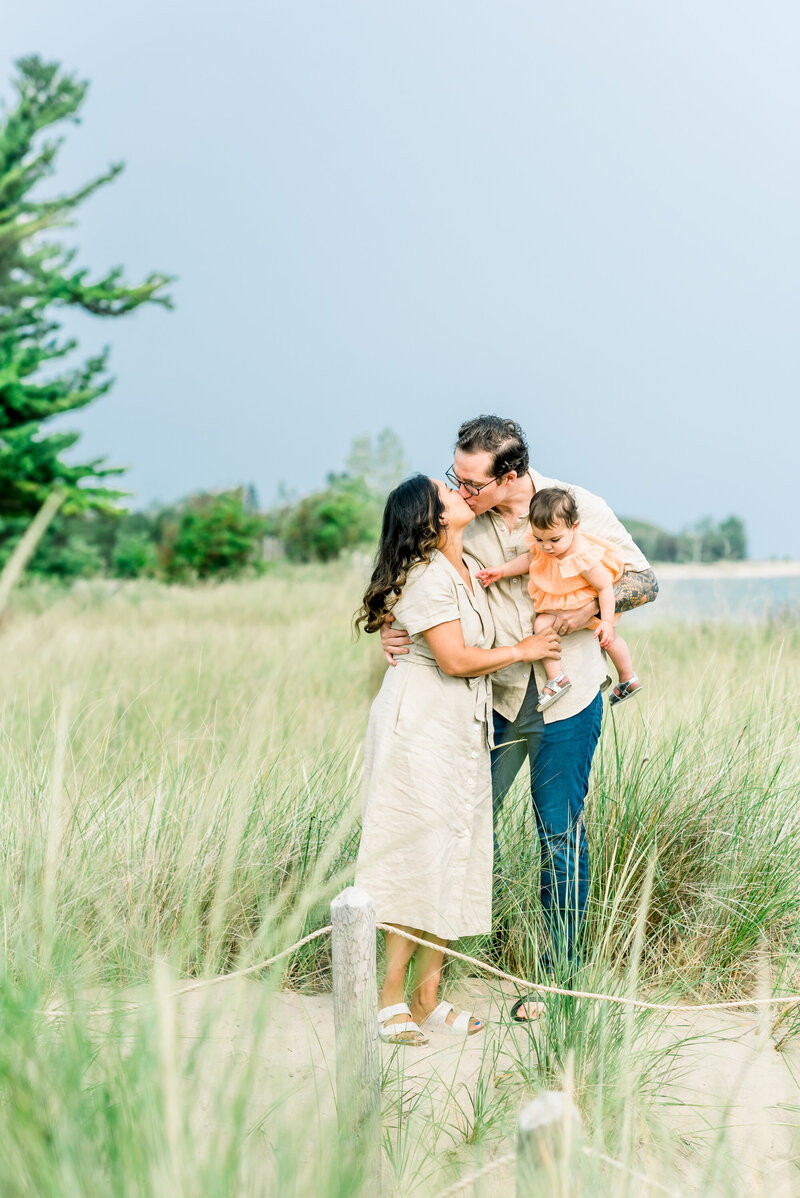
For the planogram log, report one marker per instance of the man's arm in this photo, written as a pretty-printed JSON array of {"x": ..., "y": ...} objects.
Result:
[{"x": 634, "y": 589}]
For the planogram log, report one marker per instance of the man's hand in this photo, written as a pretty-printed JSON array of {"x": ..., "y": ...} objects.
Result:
[
  {"x": 605, "y": 633},
  {"x": 394, "y": 641},
  {"x": 573, "y": 621}
]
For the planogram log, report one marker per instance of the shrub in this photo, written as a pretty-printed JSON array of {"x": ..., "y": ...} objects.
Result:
[
  {"x": 320, "y": 526},
  {"x": 213, "y": 535},
  {"x": 135, "y": 556}
]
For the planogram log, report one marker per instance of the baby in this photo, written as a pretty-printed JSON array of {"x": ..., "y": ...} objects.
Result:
[{"x": 568, "y": 569}]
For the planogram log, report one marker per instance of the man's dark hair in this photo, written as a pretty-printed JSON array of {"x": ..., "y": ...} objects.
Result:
[{"x": 503, "y": 439}]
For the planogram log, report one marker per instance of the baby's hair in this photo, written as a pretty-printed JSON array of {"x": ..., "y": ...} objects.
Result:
[{"x": 553, "y": 506}]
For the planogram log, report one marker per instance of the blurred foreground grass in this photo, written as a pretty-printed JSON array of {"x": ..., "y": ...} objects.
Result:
[{"x": 180, "y": 774}]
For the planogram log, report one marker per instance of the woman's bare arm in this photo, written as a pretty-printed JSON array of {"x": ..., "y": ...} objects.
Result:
[{"x": 453, "y": 657}]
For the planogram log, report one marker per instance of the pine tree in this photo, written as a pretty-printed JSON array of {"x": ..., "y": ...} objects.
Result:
[{"x": 38, "y": 277}]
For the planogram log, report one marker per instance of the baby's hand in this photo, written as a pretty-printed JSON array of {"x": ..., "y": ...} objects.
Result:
[
  {"x": 605, "y": 633},
  {"x": 489, "y": 576}
]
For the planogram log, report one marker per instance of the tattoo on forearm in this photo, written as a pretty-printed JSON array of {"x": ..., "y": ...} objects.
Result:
[{"x": 634, "y": 589}]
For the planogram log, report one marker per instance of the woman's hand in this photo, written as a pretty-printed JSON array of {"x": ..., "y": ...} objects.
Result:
[
  {"x": 543, "y": 644},
  {"x": 394, "y": 641},
  {"x": 605, "y": 633},
  {"x": 490, "y": 575}
]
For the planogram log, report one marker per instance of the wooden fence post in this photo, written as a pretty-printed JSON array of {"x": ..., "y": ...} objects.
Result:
[
  {"x": 355, "y": 1014},
  {"x": 547, "y": 1130}
]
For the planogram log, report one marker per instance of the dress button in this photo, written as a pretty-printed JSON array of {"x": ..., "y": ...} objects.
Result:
[
  {"x": 473, "y": 754},
  {"x": 470, "y": 781},
  {"x": 468, "y": 808}
]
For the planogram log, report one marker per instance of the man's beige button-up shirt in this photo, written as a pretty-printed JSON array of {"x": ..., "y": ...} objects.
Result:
[{"x": 489, "y": 539}]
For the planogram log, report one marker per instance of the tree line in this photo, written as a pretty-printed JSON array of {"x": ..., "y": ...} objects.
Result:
[
  {"x": 705, "y": 541},
  {"x": 226, "y": 535},
  {"x": 221, "y": 534}
]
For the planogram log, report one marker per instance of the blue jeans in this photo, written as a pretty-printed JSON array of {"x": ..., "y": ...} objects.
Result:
[{"x": 560, "y": 755}]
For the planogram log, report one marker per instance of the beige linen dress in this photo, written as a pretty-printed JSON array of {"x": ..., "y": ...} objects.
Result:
[{"x": 426, "y": 845}]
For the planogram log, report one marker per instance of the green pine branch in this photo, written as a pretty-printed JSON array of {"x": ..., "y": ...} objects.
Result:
[{"x": 38, "y": 276}]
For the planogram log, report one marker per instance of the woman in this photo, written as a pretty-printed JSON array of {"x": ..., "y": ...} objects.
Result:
[{"x": 425, "y": 856}]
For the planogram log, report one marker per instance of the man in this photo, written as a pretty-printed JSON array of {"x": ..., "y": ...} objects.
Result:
[{"x": 491, "y": 471}]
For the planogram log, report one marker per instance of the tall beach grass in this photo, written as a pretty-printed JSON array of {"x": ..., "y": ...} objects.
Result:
[{"x": 180, "y": 797}]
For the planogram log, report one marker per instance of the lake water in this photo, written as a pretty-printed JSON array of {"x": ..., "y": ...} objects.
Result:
[{"x": 734, "y": 599}]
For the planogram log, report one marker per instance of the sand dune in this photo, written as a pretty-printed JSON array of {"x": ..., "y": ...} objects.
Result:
[{"x": 727, "y": 1076}]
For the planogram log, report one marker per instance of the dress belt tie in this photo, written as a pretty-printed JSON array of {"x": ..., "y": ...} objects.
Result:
[{"x": 481, "y": 687}]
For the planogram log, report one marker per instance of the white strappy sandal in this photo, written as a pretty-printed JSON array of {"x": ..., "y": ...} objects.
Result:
[
  {"x": 554, "y": 686},
  {"x": 626, "y": 690},
  {"x": 437, "y": 1021},
  {"x": 396, "y": 1032}
]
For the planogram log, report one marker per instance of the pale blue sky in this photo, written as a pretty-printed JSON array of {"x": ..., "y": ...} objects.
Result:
[{"x": 584, "y": 216}]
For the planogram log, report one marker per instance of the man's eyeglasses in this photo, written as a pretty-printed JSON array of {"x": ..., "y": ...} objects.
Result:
[{"x": 470, "y": 488}]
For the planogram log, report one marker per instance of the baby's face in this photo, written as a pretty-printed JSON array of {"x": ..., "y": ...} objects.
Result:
[{"x": 554, "y": 541}]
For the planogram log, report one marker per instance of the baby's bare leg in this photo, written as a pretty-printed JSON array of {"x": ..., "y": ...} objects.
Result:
[
  {"x": 552, "y": 665},
  {"x": 620, "y": 654}
]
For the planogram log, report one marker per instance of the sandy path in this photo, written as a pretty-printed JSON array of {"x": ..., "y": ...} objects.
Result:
[
  {"x": 731, "y": 1078},
  {"x": 725, "y": 1075}
]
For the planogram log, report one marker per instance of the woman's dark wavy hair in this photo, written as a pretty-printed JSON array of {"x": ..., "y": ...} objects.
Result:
[{"x": 410, "y": 533}]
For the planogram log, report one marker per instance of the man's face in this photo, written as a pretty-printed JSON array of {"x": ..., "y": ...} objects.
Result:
[{"x": 475, "y": 468}]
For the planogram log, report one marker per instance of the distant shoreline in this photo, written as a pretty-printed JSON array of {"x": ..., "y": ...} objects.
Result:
[{"x": 726, "y": 570}]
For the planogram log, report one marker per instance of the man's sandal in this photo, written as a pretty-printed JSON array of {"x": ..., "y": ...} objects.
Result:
[
  {"x": 399, "y": 1033},
  {"x": 625, "y": 690},
  {"x": 437, "y": 1021},
  {"x": 537, "y": 1009},
  {"x": 558, "y": 690}
]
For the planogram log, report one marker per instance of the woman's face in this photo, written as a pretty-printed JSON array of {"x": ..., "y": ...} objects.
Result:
[{"x": 457, "y": 512}]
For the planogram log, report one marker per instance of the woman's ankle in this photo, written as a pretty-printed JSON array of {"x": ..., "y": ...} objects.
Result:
[
  {"x": 390, "y": 996},
  {"x": 422, "y": 1007}
]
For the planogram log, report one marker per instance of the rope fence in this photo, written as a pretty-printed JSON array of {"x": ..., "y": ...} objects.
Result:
[
  {"x": 788, "y": 1000},
  {"x": 203, "y": 983}
]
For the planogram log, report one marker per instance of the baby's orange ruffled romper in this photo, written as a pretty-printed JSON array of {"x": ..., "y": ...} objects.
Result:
[{"x": 557, "y": 584}]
